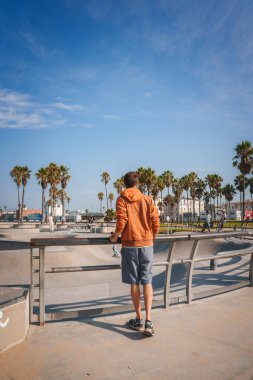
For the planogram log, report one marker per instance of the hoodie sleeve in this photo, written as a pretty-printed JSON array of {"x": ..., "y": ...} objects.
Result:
[
  {"x": 154, "y": 218},
  {"x": 121, "y": 215}
]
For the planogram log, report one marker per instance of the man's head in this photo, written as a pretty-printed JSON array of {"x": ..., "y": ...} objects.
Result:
[{"x": 131, "y": 179}]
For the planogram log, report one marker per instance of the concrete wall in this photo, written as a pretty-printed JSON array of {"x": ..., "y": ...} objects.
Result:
[{"x": 14, "y": 323}]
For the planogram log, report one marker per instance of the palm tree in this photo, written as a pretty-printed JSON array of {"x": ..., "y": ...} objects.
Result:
[
  {"x": 229, "y": 192},
  {"x": 239, "y": 185},
  {"x": 105, "y": 178},
  {"x": 101, "y": 197},
  {"x": 250, "y": 182},
  {"x": 168, "y": 178},
  {"x": 64, "y": 178},
  {"x": 214, "y": 183},
  {"x": 41, "y": 176},
  {"x": 17, "y": 177},
  {"x": 142, "y": 179},
  {"x": 217, "y": 181},
  {"x": 111, "y": 198},
  {"x": 119, "y": 185},
  {"x": 187, "y": 182},
  {"x": 161, "y": 185},
  {"x": 53, "y": 178},
  {"x": 25, "y": 175},
  {"x": 150, "y": 179},
  {"x": 177, "y": 188},
  {"x": 200, "y": 188},
  {"x": 192, "y": 180},
  {"x": 206, "y": 198},
  {"x": 68, "y": 199},
  {"x": 170, "y": 200},
  {"x": 155, "y": 190},
  {"x": 243, "y": 160}
]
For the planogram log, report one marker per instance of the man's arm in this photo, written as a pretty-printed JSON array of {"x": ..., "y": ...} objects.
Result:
[
  {"x": 121, "y": 217},
  {"x": 154, "y": 219}
]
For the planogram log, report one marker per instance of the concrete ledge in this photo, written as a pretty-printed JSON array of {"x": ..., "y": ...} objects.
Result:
[
  {"x": 14, "y": 316},
  {"x": 26, "y": 226}
]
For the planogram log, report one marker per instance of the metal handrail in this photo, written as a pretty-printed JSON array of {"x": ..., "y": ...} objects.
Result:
[{"x": 42, "y": 243}]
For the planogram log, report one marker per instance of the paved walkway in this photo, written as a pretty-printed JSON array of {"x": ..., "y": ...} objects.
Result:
[{"x": 209, "y": 339}]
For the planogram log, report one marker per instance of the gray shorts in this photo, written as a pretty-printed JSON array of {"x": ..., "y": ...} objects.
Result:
[{"x": 137, "y": 265}]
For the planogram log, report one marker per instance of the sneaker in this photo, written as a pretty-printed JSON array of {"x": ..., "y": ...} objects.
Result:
[
  {"x": 149, "y": 328},
  {"x": 136, "y": 324}
]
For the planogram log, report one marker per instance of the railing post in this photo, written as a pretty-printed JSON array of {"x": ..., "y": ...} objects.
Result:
[
  {"x": 213, "y": 264},
  {"x": 166, "y": 294},
  {"x": 31, "y": 286},
  {"x": 42, "y": 286},
  {"x": 190, "y": 271},
  {"x": 251, "y": 271}
]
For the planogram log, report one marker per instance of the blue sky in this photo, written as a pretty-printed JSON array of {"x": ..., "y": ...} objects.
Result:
[{"x": 114, "y": 85}]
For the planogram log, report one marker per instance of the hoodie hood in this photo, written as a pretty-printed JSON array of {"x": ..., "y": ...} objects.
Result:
[{"x": 132, "y": 194}]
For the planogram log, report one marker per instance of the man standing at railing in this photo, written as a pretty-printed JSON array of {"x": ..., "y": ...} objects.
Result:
[{"x": 138, "y": 224}]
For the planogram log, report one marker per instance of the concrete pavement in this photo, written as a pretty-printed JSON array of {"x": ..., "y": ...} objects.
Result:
[{"x": 210, "y": 339}]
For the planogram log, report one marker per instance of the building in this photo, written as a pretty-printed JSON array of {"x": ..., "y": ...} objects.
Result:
[
  {"x": 236, "y": 207},
  {"x": 57, "y": 210},
  {"x": 185, "y": 209},
  {"x": 30, "y": 215}
]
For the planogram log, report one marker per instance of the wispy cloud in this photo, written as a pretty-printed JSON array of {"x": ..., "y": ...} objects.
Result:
[
  {"x": 33, "y": 43},
  {"x": 147, "y": 94},
  {"x": 20, "y": 111},
  {"x": 68, "y": 107},
  {"x": 112, "y": 117}
]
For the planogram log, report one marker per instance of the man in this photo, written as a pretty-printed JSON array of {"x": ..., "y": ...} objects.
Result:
[
  {"x": 207, "y": 223},
  {"x": 138, "y": 224},
  {"x": 221, "y": 221}
]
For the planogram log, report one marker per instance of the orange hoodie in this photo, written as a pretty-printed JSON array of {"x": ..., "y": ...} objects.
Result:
[{"x": 137, "y": 218}]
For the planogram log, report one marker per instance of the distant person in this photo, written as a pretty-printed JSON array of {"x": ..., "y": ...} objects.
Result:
[
  {"x": 221, "y": 221},
  {"x": 207, "y": 223},
  {"x": 51, "y": 223},
  {"x": 245, "y": 224},
  {"x": 116, "y": 252},
  {"x": 137, "y": 222}
]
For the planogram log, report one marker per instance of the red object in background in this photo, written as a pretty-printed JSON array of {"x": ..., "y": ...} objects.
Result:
[{"x": 248, "y": 214}]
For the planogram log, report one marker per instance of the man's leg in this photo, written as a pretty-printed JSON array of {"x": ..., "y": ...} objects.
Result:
[
  {"x": 148, "y": 298},
  {"x": 136, "y": 298}
]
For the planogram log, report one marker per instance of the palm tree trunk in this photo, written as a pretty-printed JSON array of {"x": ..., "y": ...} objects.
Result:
[
  {"x": 22, "y": 205},
  {"x": 63, "y": 204},
  {"x": 106, "y": 196},
  {"x": 101, "y": 210},
  {"x": 42, "y": 207},
  {"x": 243, "y": 197},
  {"x": 52, "y": 202},
  {"x": 193, "y": 207},
  {"x": 187, "y": 194},
  {"x": 241, "y": 203},
  {"x": 19, "y": 205}
]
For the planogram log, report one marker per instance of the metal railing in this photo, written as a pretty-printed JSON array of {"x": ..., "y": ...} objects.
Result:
[{"x": 193, "y": 240}]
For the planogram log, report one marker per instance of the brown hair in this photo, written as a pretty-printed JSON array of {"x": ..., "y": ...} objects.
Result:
[{"x": 131, "y": 179}]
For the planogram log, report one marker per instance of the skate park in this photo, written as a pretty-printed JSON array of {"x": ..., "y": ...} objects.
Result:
[{"x": 89, "y": 299}]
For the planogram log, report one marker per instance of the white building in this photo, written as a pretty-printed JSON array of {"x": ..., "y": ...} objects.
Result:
[
  {"x": 185, "y": 209},
  {"x": 57, "y": 210}
]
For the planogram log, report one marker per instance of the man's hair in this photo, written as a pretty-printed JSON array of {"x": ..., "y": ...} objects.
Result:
[{"x": 131, "y": 179}]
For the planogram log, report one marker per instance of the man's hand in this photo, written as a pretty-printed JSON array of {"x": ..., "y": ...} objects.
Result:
[{"x": 114, "y": 237}]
